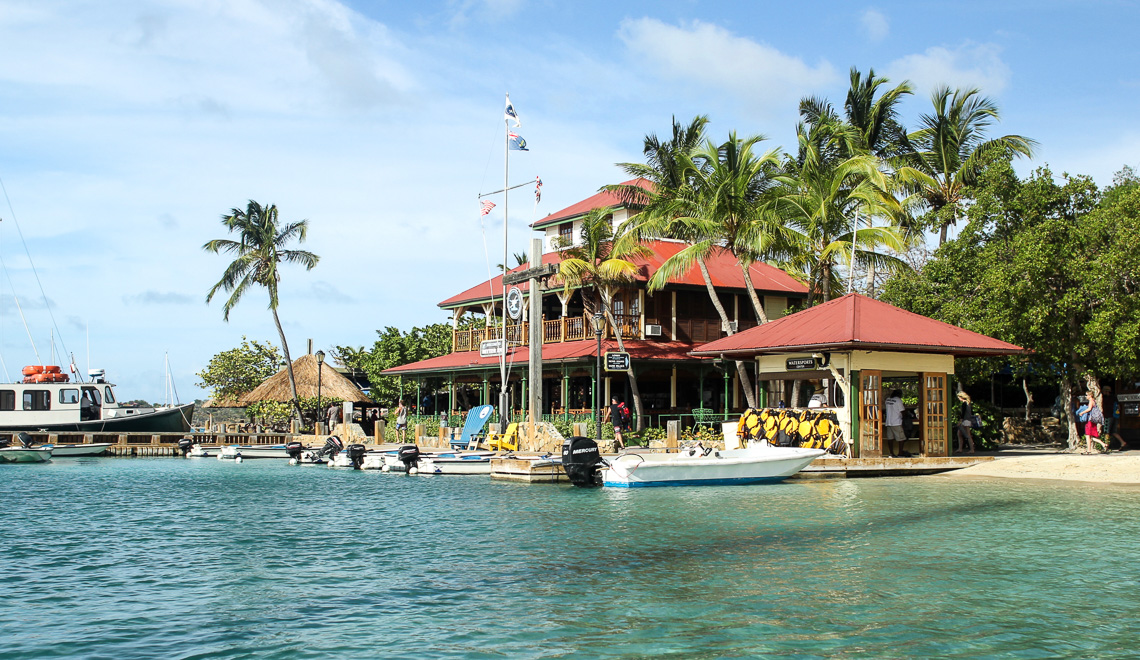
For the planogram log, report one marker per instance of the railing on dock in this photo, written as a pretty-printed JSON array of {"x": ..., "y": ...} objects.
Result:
[{"x": 554, "y": 331}]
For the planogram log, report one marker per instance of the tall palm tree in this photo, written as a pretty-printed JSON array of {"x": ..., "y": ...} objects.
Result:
[
  {"x": 259, "y": 253},
  {"x": 824, "y": 188},
  {"x": 601, "y": 261},
  {"x": 950, "y": 150}
]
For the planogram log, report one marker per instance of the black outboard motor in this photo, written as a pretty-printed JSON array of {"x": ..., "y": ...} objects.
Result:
[
  {"x": 581, "y": 461},
  {"x": 355, "y": 455},
  {"x": 185, "y": 445},
  {"x": 294, "y": 450},
  {"x": 25, "y": 439},
  {"x": 4, "y": 442},
  {"x": 409, "y": 455},
  {"x": 332, "y": 447}
]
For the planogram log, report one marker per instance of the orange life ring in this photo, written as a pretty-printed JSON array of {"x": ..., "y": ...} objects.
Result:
[
  {"x": 52, "y": 369},
  {"x": 32, "y": 370}
]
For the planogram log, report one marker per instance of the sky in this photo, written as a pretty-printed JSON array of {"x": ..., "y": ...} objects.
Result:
[{"x": 128, "y": 128}]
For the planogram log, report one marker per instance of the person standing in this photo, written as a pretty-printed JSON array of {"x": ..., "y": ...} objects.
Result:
[
  {"x": 402, "y": 421},
  {"x": 893, "y": 420},
  {"x": 965, "y": 424},
  {"x": 1094, "y": 424},
  {"x": 334, "y": 417}
]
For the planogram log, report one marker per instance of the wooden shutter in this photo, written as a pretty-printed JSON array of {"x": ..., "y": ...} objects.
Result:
[
  {"x": 870, "y": 413},
  {"x": 935, "y": 441}
]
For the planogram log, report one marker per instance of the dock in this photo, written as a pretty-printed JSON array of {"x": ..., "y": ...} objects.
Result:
[{"x": 154, "y": 444}]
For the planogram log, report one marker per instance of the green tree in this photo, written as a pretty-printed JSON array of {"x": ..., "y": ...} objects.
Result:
[
  {"x": 946, "y": 155},
  {"x": 231, "y": 374},
  {"x": 259, "y": 254},
  {"x": 394, "y": 348},
  {"x": 601, "y": 261}
]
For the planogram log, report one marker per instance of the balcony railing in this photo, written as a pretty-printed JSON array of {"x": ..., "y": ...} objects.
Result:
[{"x": 567, "y": 328}]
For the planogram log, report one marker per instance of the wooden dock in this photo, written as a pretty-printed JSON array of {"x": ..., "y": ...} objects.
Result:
[{"x": 154, "y": 444}]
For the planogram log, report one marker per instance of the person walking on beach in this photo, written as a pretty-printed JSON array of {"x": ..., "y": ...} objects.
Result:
[
  {"x": 893, "y": 413},
  {"x": 402, "y": 420},
  {"x": 965, "y": 424},
  {"x": 1093, "y": 417}
]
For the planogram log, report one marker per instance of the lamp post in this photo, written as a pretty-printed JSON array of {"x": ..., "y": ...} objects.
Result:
[
  {"x": 599, "y": 322},
  {"x": 320, "y": 365}
]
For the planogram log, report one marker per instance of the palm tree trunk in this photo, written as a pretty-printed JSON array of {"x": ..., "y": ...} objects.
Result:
[
  {"x": 825, "y": 281},
  {"x": 741, "y": 372},
  {"x": 942, "y": 233},
  {"x": 761, "y": 317},
  {"x": 288, "y": 364}
]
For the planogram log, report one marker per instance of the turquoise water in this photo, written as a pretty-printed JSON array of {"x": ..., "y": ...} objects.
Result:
[{"x": 175, "y": 558}]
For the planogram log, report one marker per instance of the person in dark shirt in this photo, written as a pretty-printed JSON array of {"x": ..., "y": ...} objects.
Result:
[{"x": 616, "y": 417}]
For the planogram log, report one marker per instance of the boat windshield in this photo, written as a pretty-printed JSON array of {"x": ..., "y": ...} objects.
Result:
[{"x": 110, "y": 396}]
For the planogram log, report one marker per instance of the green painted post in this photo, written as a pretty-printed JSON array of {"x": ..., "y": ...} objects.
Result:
[
  {"x": 762, "y": 400},
  {"x": 522, "y": 388},
  {"x": 853, "y": 405},
  {"x": 594, "y": 395},
  {"x": 483, "y": 396},
  {"x": 565, "y": 394},
  {"x": 726, "y": 379}
]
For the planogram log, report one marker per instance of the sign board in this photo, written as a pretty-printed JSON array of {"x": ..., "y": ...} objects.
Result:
[
  {"x": 530, "y": 273},
  {"x": 617, "y": 361},
  {"x": 800, "y": 364},
  {"x": 491, "y": 348},
  {"x": 1128, "y": 397},
  {"x": 514, "y": 303}
]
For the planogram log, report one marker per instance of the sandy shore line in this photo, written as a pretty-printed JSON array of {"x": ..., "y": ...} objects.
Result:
[{"x": 1114, "y": 468}]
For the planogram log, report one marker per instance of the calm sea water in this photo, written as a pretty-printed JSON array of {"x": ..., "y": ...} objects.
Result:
[{"x": 174, "y": 558}]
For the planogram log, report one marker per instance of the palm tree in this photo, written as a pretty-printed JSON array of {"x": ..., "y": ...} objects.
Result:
[
  {"x": 950, "y": 150},
  {"x": 823, "y": 191},
  {"x": 259, "y": 254},
  {"x": 601, "y": 261}
]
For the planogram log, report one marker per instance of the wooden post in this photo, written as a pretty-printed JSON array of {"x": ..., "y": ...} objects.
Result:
[
  {"x": 672, "y": 434},
  {"x": 379, "y": 431},
  {"x": 419, "y": 433}
]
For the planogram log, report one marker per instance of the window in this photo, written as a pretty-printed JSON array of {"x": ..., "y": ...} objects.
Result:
[
  {"x": 37, "y": 400},
  {"x": 7, "y": 399},
  {"x": 69, "y": 396},
  {"x": 566, "y": 233},
  {"x": 110, "y": 397}
]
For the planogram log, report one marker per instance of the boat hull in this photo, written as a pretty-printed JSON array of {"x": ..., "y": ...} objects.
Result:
[
  {"x": 253, "y": 451},
  {"x": 170, "y": 420},
  {"x": 24, "y": 455},
  {"x": 64, "y": 451},
  {"x": 739, "y": 466},
  {"x": 456, "y": 465}
]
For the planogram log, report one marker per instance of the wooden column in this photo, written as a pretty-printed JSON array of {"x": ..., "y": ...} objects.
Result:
[{"x": 870, "y": 413}]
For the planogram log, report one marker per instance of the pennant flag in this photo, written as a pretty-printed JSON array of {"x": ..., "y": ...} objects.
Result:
[
  {"x": 487, "y": 206},
  {"x": 509, "y": 114},
  {"x": 537, "y": 190},
  {"x": 517, "y": 143}
]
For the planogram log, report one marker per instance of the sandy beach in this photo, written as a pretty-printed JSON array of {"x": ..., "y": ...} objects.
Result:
[{"x": 1117, "y": 467}]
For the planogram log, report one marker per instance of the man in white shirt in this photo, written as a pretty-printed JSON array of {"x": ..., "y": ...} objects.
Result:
[{"x": 893, "y": 422}]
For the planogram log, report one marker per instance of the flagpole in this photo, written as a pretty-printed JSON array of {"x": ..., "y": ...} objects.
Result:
[{"x": 504, "y": 415}]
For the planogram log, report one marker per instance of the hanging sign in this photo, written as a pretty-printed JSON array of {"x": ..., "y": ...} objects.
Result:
[
  {"x": 617, "y": 361},
  {"x": 514, "y": 303},
  {"x": 800, "y": 364},
  {"x": 491, "y": 348}
]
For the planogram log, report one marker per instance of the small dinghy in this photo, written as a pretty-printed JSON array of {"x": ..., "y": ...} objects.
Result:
[
  {"x": 25, "y": 453},
  {"x": 65, "y": 451}
]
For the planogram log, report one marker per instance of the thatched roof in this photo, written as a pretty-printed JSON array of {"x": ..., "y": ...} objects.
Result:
[{"x": 276, "y": 387}]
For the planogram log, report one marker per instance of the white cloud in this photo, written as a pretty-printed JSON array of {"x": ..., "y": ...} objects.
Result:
[
  {"x": 875, "y": 25},
  {"x": 968, "y": 65},
  {"x": 711, "y": 57}
]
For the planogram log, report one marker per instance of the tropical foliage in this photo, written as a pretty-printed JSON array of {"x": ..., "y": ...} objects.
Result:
[{"x": 232, "y": 373}]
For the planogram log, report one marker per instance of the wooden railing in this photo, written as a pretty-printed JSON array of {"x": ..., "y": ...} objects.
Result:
[{"x": 567, "y": 328}]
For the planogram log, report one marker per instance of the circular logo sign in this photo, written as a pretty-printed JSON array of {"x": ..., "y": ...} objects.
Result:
[{"x": 514, "y": 303}]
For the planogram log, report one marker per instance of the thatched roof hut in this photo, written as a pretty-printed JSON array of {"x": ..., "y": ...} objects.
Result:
[{"x": 333, "y": 384}]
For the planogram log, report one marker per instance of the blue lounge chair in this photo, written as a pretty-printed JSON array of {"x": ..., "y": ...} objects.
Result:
[{"x": 477, "y": 419}]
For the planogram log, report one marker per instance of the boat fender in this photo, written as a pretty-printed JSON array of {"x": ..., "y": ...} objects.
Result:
[
  {"x": 292, "y": 461},
  {"x": 237, "y": 459},
  {"x": 386, "y": 468},
  {"x": 414, "y": 470}
]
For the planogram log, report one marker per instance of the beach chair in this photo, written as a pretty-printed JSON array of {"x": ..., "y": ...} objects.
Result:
[
  {"x": 477, "y": 419},
  {"x": 704, "y": 417},
  {"x": 506, "y": 441}
]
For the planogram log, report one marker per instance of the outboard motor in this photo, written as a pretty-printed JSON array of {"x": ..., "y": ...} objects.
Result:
[
  {"x": 4, "y": 442},
  {"x": 409, "y": 455},
  {"x": 332, "y": 447},
  {"x": 581, "y": 461},
  {"x": 185, "y": 445},
  {"x": 294, "y": 450},
  {"x": 355, "y": 455},
  {"x": 25, "y": 439}
]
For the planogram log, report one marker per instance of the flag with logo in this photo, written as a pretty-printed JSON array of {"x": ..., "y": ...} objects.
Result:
[
  {"x": 509, "y": 114},
  {"x": 516, "y": 142}
]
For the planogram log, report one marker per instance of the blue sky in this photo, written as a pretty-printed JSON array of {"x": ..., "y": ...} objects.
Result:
[{"x": 128, "y": 128}]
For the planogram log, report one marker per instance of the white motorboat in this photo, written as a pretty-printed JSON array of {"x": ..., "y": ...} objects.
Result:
[
  {"x": 697, "y": 466},
  {"x": 230, "y": 452},
  {"x": 24, "y": 454},
  {"x": 202, "y": 451},
  {"x": 72, "y": 450},
  {"x": 449, "y": 462}
]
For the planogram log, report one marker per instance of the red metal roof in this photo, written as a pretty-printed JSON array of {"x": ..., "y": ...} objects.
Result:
[
  {"x": 601, "y": 200},
  {"x": 571, "y": 351},
  {"x": 857, "y": 322},
  {"x": 722, "y": 266}
]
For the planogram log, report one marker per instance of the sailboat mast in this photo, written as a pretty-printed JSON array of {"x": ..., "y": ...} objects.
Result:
[{"x": 504, "y": 414}]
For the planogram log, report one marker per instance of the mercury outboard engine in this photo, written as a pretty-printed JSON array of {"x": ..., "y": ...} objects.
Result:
[
  {"x": 294, "y": 450},
  {"x": 332, "y": 447},
  {"x": 355, "y": 455},
  {"x": 581, "y": 461},
  {"x": 185, "y": 445},
  {"x": 25, "y": 439},
  {"x": 409, "y": 455}
]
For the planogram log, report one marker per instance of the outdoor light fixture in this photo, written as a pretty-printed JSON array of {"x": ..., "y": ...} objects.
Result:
[
  {"x": 599, "y": 322},
  {"x": 320, "y": 364}
]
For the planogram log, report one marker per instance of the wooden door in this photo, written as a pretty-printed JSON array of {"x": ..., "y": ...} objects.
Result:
[
  {"x": 870, "y": 414},
  {"x": 935, "y": 438}
]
